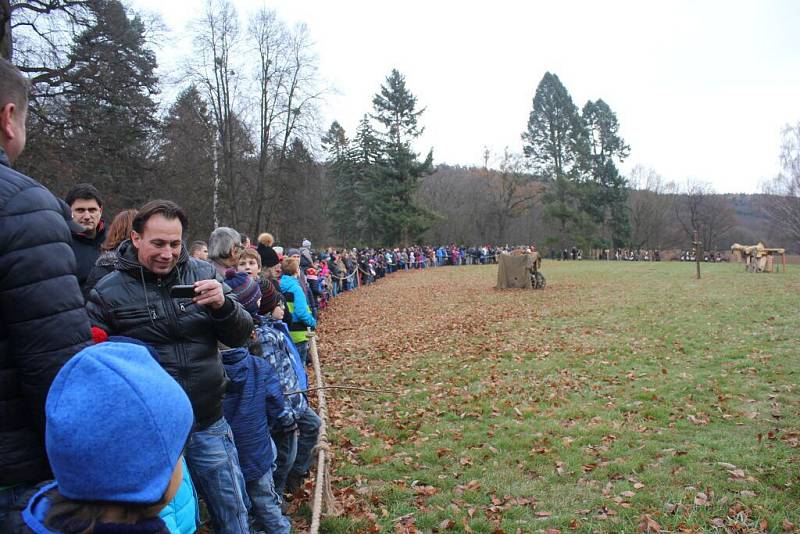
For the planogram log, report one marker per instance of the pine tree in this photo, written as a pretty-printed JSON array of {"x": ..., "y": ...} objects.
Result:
[
  {"x": 102, "y": 123},
  {"x": 185, "y": 159},
  {"x": 393, "y": 215},
  {"x": 555, "y": 143},
  {"x": 346, "y": 203},
  {"x": 606, "y": 198}
]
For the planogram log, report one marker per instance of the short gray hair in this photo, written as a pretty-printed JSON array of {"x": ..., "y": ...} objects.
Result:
[{"x": 222, "y": 240}]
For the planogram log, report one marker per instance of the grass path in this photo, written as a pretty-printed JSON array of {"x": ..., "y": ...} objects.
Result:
[{"x": 624, "y": 396}]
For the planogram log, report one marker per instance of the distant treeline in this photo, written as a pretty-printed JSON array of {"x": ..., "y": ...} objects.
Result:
[{"x": 241, "y": 145}]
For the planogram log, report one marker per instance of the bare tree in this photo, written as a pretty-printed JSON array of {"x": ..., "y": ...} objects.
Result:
[
  {"x": 711, "y": 215},
  {"x": 510, "y": 192},
  {"x": 216, "y": 36},
  {"x": 288, "y": 89},
  {"x": 649, "y": 204},
  {"x": 783, "y": 207}
]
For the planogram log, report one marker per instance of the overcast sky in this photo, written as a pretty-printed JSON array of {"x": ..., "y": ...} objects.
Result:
[{"x": 701, "y": 89}]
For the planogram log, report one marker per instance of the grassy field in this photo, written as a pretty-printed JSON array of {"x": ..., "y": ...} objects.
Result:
[{"x": 623, "y": 397}]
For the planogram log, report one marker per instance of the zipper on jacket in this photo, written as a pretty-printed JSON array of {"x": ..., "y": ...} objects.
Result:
[{"x": 172, "y": 317}]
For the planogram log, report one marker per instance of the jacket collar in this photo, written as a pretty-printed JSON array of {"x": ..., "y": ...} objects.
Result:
[{"x": 4, "y": 158}]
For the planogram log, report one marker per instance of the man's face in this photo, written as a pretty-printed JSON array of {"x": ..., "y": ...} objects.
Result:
[
  {"x": 201, "y": 253},
  {"x": 248, "y": 265},
  {"x": 13, "y": 129},
  {"x": 159, "y": 245},
  {"x": 87, "y": 213}
]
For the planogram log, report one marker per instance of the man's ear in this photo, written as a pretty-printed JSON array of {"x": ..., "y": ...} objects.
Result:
[
  {"x": 7, "y": 113},
  {"x": 136, "y": 238}
]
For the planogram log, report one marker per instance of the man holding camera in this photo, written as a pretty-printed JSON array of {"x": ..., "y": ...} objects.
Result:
[{"x": 184, "y": 325}]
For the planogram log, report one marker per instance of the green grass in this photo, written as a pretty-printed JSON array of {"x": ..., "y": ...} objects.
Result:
[{"x": 623, "y": 389}]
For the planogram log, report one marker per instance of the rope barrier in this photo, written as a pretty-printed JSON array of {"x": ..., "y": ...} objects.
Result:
[{"x": 323, "y": 494}]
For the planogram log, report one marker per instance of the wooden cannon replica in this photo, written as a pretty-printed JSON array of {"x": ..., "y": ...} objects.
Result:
[
  {"x": 520, "y": 270},
  {"x": 758, "y": 258}
]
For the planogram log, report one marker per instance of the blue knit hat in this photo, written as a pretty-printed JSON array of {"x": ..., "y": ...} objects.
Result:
[{"x": 116, "y": 425}]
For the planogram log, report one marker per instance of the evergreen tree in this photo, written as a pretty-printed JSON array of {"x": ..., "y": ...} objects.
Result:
[
  {"x": 555, "y": 142},
  {"x": 606, "y": 196},
  {"x": 185, "y": 159},
  {"x": 393, "y": 215},
  {"x": 102, "y": 123},
  {"x": 344, "y": 206}
]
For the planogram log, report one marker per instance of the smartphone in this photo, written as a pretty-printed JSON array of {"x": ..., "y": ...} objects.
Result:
[{"x": 182, "y": 292}]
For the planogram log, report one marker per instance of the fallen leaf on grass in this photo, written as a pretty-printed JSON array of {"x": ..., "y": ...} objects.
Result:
[
  {"x": 447, "y": 524},
  {"x": 648, "y": 524},
  {"x": 426, "y": 490}
]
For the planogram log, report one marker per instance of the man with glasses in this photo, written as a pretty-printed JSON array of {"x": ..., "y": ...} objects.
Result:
[{"x": 224, "y": 247}]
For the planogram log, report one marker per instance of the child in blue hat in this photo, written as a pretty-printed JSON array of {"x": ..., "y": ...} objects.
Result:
[{"x": 117, "y": 425}]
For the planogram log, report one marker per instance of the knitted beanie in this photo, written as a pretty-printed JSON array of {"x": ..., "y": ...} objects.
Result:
[
  {"x": 270, "y": 297},
  {"x": 117, "y": 424},
  {"x": 245, "y": 288},
  {"x": 293, "y": 252},
  {"x": 269, "y": 258}
]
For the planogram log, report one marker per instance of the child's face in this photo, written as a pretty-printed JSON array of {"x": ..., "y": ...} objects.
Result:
[
  {"x": 249, "y": 266},
  {"x": 277, "y": 313}
]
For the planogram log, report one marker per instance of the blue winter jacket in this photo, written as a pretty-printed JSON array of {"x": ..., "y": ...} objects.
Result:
[
  {"x": 254, "y": 405},
  {"x": 182, "y": 514},
  {"x": 301, "y": 313}
]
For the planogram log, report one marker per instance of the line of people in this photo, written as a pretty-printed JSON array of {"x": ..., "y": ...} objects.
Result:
[{"x": 126, "y": 365}]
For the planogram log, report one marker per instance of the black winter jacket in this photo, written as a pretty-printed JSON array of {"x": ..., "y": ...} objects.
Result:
[
  {"x": 103, "y": 266},
  {"x": 42, "y": 319},
  {"x": 135, "y": 302},
  {"x": 87, "y": 250}
]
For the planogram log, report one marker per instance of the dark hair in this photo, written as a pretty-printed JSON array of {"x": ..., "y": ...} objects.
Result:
[
  {"x": 14, "y": 87},
  {"x": 83, "y": 192},
  {"x": 119, "y": 230},
  {"x": 165, "y": 208},
  {"x": 79, "y": 517}
]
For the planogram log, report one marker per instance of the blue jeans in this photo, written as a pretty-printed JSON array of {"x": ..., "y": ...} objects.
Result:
[
  {"x": 286, "y": 445},
  {"x": 267, "y": 506},
  {"x": 9, "y": 497},
  {"x": 214, "y": 466},
  {"x": 308, "y": 424}
]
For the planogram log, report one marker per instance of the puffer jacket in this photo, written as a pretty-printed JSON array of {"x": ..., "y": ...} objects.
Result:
[
  {"x": 254, "y": 406},
  {"x": 42, "y": 319},
  {"x": 103, "y": 266},
  {"x": 135, "y": 302},
  {"x": 182, "y": 514}
]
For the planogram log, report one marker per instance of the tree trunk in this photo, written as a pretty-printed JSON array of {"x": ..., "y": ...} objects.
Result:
[{"x": 6, "y": 44}]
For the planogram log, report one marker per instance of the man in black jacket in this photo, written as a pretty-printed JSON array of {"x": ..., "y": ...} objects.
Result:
[
  {"x": 86, "y": 204},
  {"x": 135, "y": 301},
  {"x": 42, "y": 319}
]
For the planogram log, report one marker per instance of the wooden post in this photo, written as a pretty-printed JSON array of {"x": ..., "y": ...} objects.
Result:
[{"x": 697, "y": 253}]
